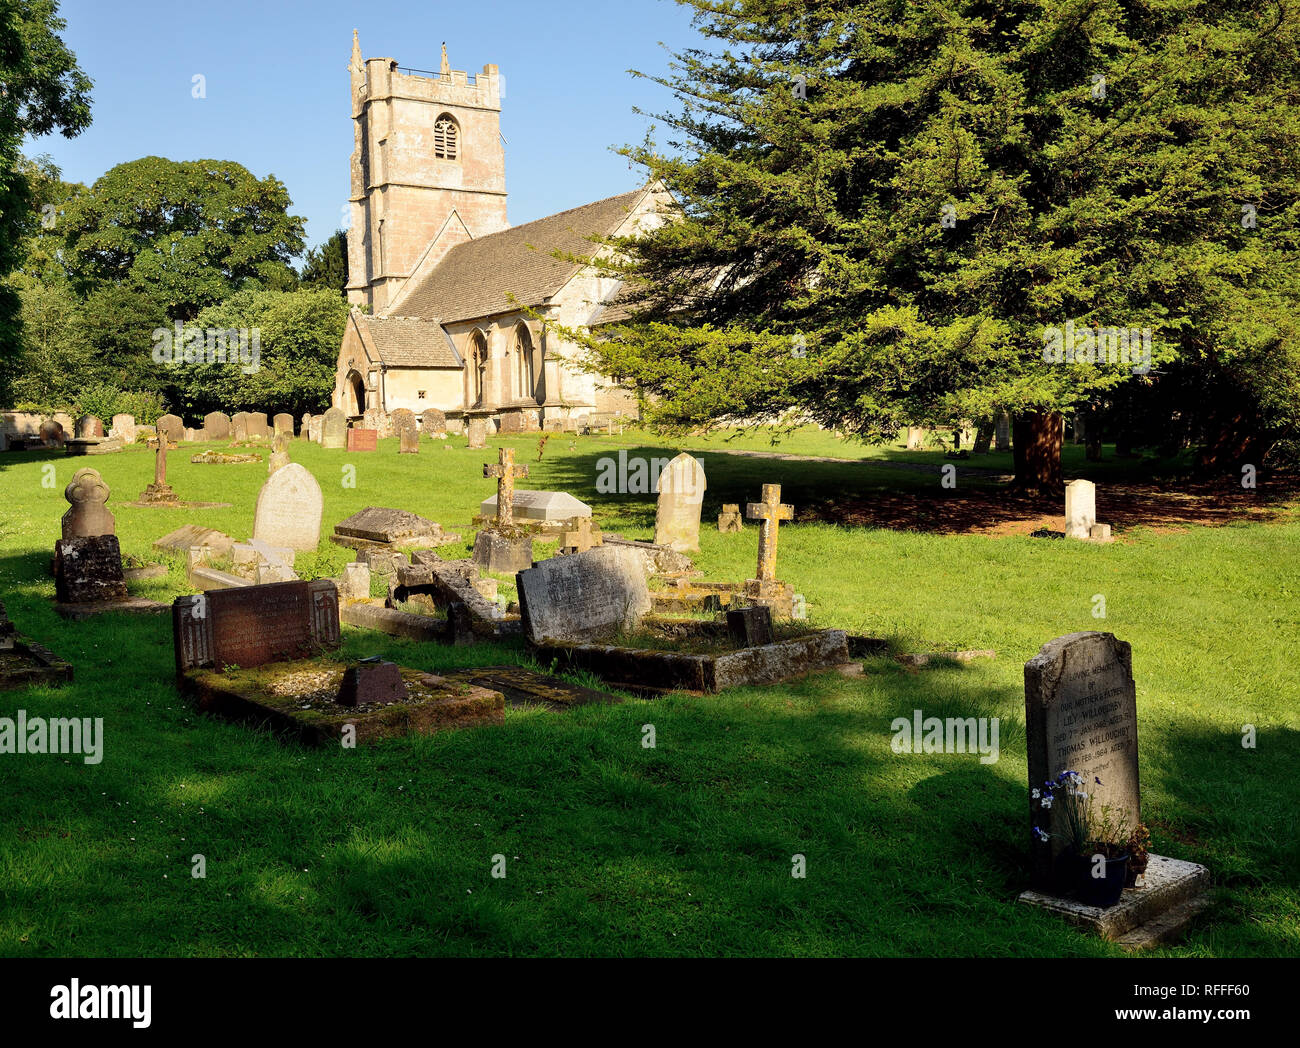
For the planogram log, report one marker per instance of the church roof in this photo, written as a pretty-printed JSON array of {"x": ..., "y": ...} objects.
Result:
[
  {"x": 478, "y": 277},
  {"x": 410, "y": 342}
]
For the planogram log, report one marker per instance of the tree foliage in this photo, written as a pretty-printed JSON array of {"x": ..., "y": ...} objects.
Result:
[
  {"x": 327, "y": 266},
  {"x": 888, "y": 206}
]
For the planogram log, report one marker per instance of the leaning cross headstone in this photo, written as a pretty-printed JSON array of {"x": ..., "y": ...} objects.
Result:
[
  {"x": 88, "y": 514},
  {"x": 765, "y": 589},
  {"x": 729, "y": 520},
  {"x": 334, "y": 430},
  {"x": 586, "y": 597},
  {"x": 1081, "y": 716},
  {"x": 1080, "y": 508},
  {"x": 681, "y": 494},
  {"x": 289, "y": 509}
]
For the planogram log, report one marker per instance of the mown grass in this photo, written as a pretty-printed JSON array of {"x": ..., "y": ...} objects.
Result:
[{"x": 684, "y": 849}]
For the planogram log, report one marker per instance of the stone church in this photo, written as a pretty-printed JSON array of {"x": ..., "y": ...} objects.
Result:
[{"x": 452, "y": 308}]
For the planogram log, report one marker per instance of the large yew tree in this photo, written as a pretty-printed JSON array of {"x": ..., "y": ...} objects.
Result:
[{"x": 889, "y": 205}]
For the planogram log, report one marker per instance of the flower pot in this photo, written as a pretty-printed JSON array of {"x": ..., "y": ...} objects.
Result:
[{"x": 1105, "y": 891}]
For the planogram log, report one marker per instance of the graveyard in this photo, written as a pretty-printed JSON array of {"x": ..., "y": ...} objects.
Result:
[{"x": 649, "y": 781}]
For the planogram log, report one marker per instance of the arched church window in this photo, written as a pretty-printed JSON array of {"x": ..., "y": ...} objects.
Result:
[{"x": 446, "y": 138}]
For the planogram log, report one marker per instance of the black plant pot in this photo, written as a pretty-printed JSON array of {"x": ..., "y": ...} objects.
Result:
[{"x": 1102, "y": 892}]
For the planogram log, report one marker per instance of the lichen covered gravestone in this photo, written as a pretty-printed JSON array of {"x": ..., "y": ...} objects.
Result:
[
  {"x": 172, "y": 428},
  {"x": 334, "y": 430},
  {"x": 289, "y": 509},
  {"x": 1081, "y": 716},
  {"x": 584, "y": 597},
  {"x": 681, "y": 494},
  {"x": 216, "y": 426},
  {"x": 477, "y": 433}
]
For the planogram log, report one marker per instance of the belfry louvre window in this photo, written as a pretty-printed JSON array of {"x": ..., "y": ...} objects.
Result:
[{"x": 446, "y": 139}]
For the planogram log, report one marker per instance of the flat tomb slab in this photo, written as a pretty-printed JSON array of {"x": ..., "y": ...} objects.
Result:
[
  {"x": 524, "y": 687},
  {"x": 129, "y": 605},
  {"x": 300, "y": 700},
  {"x": 27, "y": 663},
  {"x": 648, "y": 671},
  {"x": 1140, "y": 918}
]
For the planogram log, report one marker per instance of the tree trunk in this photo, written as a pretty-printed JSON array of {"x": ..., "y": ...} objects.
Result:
[
  {"x": 1237, "y": 439},
  {"x": 1036, "y": 443}
]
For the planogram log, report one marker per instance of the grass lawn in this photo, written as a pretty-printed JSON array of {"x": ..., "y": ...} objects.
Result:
[{"x": 684, "y": 849}]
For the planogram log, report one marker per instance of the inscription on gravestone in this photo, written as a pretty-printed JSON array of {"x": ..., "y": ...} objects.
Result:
[
  {"x": 1081, "y": 715},
  {"x": 254, "y": 625},
  {"x": 586, "y": 596}
]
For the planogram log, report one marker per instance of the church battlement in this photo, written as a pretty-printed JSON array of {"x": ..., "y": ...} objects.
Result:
[{"x": 427, "y": 145}]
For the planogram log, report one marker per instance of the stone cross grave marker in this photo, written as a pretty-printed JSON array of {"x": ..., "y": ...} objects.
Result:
[
  {"x": 254, "y": 625},
  {"x": 771, "y": 512},
  {"x": 506, "y": 473},
  {"x": 1081, "y": 716},
  {"x": 681, "y": 494},
  {"x": 583, "y": 537}
]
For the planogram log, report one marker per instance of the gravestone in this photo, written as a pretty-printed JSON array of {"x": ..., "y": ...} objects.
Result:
[
  {"x": 681, "y": 494},
  {"x": 373, "y": 684},
  {"x": 1080, "y": 509},
  {"x": 258, "y": 427},
  {"x": 216, "y": 426},
  {"x": 355, "y": 584},
  {"x": 503, "y": 550},
  {"x": 123, "y": 428},
  {"x": 363, "y": 439},
  {"x": 401, "y": 418},
  {"x": 378, "y": 420},
  {"x": 88, "y": 570},
  {"x": 433, "y": 423},
  {"x": 379, "y": 526},
  {"x": 584, "y": 597},
  {"x": 190, "y": 535},
  {"x": 729, "y": 520},
  {"x": 279, "y": 452},
  {"x": 334, "y": 430},
  {"x": 239, "y": 426},
  {"x": 317, "y": 429},
  {"x": 582, "y": 537},
  {"x": 512, "y": 423},
  {"x": 159, "y": 492},
  {"x": 89, "y": 427},
  {"x": 253, "y": 625},
  {"x": 289, "y": 509},
  {"x": 477, "y": 433},
  {"x": 765, "y": 588},
  {"x": 915, "y": 438},
  {"x": 52, "y": 434},
  {"x": 1002, "y": 433},
  {"x": 282, "y": 423},
  {"x": 750, "y": 627},
  {"x": 88, "y": 514},
  {"x": 172, "y": 428},
  {"x": 1081, "y": 715},
  {"x": 408, "y": 440},
  {"x": 304, "y": 426}
]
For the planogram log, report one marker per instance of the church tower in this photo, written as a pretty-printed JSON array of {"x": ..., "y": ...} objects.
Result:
[{"x": 427, "y": 155}]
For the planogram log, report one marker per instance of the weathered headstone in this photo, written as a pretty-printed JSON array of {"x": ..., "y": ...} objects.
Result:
[
  {"x": 191, "y": 535},
  {"x": 279, "y": 452},
  {"x": 52, "y": 434},
  {"x": 1081, "y": 716},
  {"x": 378, "y": 420},
  {"x": 380, "y": 526},
  {"x": 289, "y": 509},
  {"x": 729, "y": 520},
  {"x": 401, "y": 418},
  {"x": 123, "y": 428},
  {"x": 1080, "y": 509},
  {"x": 363, "y": 439},
  {"x": 172, "y": 427},
  {"x": 433, "y": 423},
  {"x": 355, "y": 584},
  {"x": 586, "y": 597},
  {"x": 512, "y": 422},
  {"x": 216, "y": 426},
  {"x": 88, "y": 570},
  {"x": 334, "y": 430},
  {"x": 239, "y": 426},
  {"x": 258, "y": 427},
  {"x": 681, "y": 493},
  {"x": 283, "y": 424},
  {"x": 408, "y": 440},
  {"x": 750, "y": 627},
  {"x": 316, "y": 429},
  {"x": 254, "y": 625},
  {"x": 88, "y": 513},
  {"x": 304, "y": 426},
  {"x": 915, "y": 438},
  {"x": 90, "y": 427},
  {"x": 477, "y": 433},
  {"x": 1002, "y": 433},
  {"x": 503, "y": 550},
  {"x": 373, "y": 684}
]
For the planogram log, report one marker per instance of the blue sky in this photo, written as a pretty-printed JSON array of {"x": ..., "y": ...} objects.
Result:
[{"x": 277, "y": 87}]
